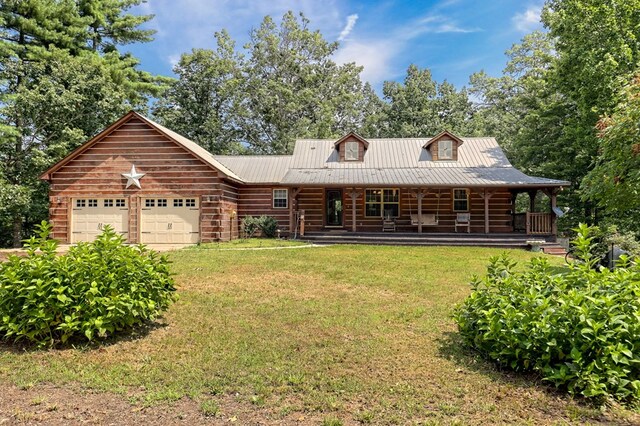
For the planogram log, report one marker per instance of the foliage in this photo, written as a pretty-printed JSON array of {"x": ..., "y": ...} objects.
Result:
[
  {"x": 284, "y": 85},
  {"x": 597, "y": 49},
  {"x": 267, "y": 225},
  {"x": 205, "y": 104},
  {"x": 615, "y": 179},
  {"x": 62, "y": 80},
  {"x": 578, "y": 329},
  {"x": 250, "y": 226},
  {"x": 294, "y": 88},
  {"x": 421, "y": 107},
  {"x": 96, "y": 290}
]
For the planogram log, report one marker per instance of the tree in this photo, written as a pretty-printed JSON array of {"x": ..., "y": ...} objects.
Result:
[
  {"x": 421, "y": 107},
  {"x": 614, "y": 183},
  {"x": 109, "y": 26},
  {"x": 56, "y": 91},
  {"x": 205, "y": 103},
  {"x": 597, "y": 48},
  {"x": 293, "y": 87}
]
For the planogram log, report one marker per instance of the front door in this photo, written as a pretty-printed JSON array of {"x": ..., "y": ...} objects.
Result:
[{"x": 333, "y": 210}]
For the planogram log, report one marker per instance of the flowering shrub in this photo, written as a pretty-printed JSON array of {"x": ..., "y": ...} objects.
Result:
[
  {"x": 94, "y": 291},
  {"x": 580, "y": 329}
]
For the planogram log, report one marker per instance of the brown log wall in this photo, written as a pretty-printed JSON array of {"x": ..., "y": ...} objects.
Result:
[{"x": 257, "y": 200}]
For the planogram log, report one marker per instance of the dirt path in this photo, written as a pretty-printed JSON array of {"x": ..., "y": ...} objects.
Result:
[{"x": 53, "y": 405}]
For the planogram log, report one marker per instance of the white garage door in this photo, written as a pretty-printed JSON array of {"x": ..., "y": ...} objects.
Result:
[
  {"x": 170, "y": 220},
  {"x": 89, "y": 215}
]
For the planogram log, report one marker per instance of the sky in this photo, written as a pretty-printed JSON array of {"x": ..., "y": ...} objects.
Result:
[{"x": 453, "y": 38}]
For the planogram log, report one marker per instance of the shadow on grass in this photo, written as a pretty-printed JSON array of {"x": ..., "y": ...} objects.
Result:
[
  {"x": 452, "y": 347},
  {"x": 80, "y": 343}
]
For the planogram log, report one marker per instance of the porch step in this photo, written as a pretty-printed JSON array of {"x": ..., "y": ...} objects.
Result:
[
  {"x": 554, "y": 249},
  {"x": 408, "y": 239}
]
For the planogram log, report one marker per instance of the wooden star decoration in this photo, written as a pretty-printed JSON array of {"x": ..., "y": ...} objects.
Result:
[{"x": 133, "y": 177}]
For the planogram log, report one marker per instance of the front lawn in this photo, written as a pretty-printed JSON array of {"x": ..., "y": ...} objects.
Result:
[{"x": 352, "y": 334}]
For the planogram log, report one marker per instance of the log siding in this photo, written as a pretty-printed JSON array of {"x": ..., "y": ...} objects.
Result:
[{"x": 170, "y": 171}]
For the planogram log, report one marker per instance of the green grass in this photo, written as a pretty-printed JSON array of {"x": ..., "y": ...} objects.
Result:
[
  {"x": 341, "y": 334},
  {"x": 248, "y": 243}
]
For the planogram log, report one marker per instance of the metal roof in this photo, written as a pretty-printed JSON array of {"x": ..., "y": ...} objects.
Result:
[
  {"x": 193, "y": 147},
  {"x": 399, "y": 162},
  {"x": 437, "y": 176},
  {"x": 257, "y": 168},
  {"x": 398, "y": 153}
]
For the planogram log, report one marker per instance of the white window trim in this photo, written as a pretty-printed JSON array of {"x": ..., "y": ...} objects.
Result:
[
  {"x": 454, "y": 199},
  {"x": 286, "y": 198},
  {"x": 441, "y": 149},
  {"x": 346, "y": 151}
]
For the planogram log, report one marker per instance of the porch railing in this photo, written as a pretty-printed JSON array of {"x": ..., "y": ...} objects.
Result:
[{"x": 539, "y": 223}]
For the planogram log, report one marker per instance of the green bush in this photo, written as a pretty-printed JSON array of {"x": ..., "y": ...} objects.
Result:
[
  {"x": 268, "y": 226},
  {"x": 250, "y": 226},
  {"x": 579, "y": 329},
  {"x": 94, "y": 291}
]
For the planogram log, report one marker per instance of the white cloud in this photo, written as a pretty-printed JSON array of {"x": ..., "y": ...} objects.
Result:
[
  {"x": 378, "y": 55},
  {"x": 528, "y": 20},
  {"x": 174, "y": 59},
  {"x": 375, "y": 56},
  {"x": 351, "y": 22}
]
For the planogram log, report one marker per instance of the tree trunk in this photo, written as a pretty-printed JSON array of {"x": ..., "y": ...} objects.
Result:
[{"x": 17, "y": 232}]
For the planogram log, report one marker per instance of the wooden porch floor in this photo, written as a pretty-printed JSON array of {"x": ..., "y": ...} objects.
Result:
[{"x": 507, "y": 240}]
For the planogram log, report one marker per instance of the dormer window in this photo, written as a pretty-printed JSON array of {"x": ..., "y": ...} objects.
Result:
[
  {"x": 351, "y": 148},
  {"x": 351, "y": 151},
  {"x": 445, "y": 149}
]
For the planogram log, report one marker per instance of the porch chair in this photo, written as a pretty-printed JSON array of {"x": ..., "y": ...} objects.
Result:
[
  {"x": 463, "y": 220},
  {"x": 388, "y": 223}
]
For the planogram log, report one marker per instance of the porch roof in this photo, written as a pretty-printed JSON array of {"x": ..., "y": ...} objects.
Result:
[{"x": 433, "y": 177}]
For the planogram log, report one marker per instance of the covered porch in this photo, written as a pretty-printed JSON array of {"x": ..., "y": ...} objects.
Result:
[{"x": 414, "y": 211}]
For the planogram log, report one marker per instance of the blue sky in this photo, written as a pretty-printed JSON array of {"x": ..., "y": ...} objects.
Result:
[{"x": 454, "y": 38}]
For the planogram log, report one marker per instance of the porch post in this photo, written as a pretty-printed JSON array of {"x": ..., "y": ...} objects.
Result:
[
  {"x": 293, "y": 194},
  {"x": 485, "y": 194},
  {"x": 554, "y": 217},
  {"x": 354, "y": 195},
  {"x": 532, "y": 200},
  {"x": 419, "y": 197}
]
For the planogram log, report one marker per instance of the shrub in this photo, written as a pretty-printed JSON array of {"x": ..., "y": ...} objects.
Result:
[
  {"x": 268, "y": 226},
  {"x": 579, "y": 329},
  {"x": 250, "y": 226},
  {"x": 94, "y": 291}
]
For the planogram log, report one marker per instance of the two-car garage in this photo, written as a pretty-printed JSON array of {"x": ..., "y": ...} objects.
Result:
[{"x": 162, "y": 220}]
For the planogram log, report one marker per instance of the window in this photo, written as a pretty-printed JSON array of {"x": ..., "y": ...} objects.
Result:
[
  {"x": 81, "y": 203},
  {"x": 93, "y": 203},
  {"x": 460, "y": 200},
  {"x": 177, "y": 202},
  {"x": 190, "y": 202},
  {"x": 149, "y": 202},
  {"x": 445, "y": 149},
  {"x": 351, "y": 151},
  {"x": 280, "y": 198},
  {"x": 382, "y": 203},
  {"x": 120, "y": 202},
  {"x": 107, "y": 203},
  {"x": 162, "y": 202}
]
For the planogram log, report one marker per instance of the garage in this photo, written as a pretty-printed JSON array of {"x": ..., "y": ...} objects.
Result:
[
  {"x": 170, "y": 220},
  {"x": 90, "y": 215}
]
